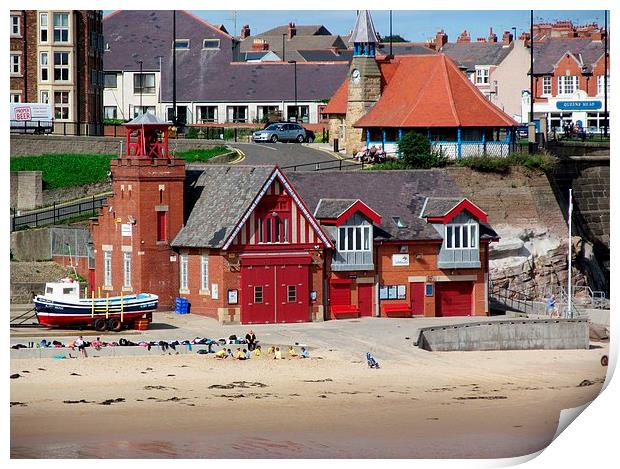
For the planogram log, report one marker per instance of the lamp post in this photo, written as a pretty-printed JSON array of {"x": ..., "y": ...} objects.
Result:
[
  {"x": 141, "y": 85},
  {"x": 294, "y": 62}
]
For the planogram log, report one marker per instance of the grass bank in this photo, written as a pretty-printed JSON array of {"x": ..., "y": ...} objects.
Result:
[{"x": 69, "y": 170}]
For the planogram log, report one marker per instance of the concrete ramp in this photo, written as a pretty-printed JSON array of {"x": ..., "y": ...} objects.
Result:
[{"x": 514, "y": 334}]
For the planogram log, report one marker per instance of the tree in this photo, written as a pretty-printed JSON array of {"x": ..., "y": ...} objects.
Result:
[
  {"x": 416, "y": 152},
  {"x": 395, "y": 38}
]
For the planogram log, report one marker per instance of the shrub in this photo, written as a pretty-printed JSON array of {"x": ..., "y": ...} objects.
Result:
[
  {"x": 415, "y": 150},
  {"x": 192, "y": 132},
  {"x": 486, "y": 164},
  {"x": 539, "y": 161},
  {"x": 389, "y": 165}
]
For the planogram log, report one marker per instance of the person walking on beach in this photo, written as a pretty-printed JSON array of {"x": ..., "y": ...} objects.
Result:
[{"x": 79, "y": 343}]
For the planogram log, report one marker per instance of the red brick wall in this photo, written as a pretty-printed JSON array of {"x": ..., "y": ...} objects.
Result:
[
  {"x": 587, "y": 83},
  {"x": 153, "y": 271},
  {"x": 27, "y": 42}
]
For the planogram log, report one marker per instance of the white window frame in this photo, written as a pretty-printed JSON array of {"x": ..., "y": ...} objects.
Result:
[
  {"x": 44, "y": 66},
  {"x": 61, "y": 105},
  {"x": 45, "y": 97},
  {"x": 105, "y": 112},
  {"x": 482, "y": 76},
  {"x": 16, "y": 72},
  {"x": 183, "y": 272},
  {"x": 44, "y": 27},
  {"x": 126, "y": 270},
  {"x": 600, "y": 85},
  {"x": 365, "y": 239},
  {"x": 204, "y": 273},
  {"x": 142, "y": 86},
  {"x": 177, "y": 41},
  {"x": 204, "y": 47},
  {"x": 107, "y": 268},
  {"x": 472, "y": 238},
  {"x": 563, "y": 84},
  {"x": 62, "y": 66},
  {"x": 546, "y": 86},
  {"x": 16, "y": 97},
  {"x": 16, "y": 32},
  {"x": 60, "y": 28}
]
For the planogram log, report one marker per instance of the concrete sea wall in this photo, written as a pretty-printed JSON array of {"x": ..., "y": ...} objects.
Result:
[{"x": 515, "y": 334}]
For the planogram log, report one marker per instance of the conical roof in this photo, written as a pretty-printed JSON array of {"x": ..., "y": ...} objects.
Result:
[
  {"x": 364, "y": 30},
  {"x": 146, "y": 119}
]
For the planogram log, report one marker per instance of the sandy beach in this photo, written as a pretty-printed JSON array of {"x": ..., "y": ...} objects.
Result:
[{"x": 427, "y": 405}]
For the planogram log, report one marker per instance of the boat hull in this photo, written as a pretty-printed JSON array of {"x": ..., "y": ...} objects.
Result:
[{"x": 55, "y": 313}]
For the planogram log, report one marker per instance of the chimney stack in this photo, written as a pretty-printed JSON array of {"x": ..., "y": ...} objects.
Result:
[
  {"x": 492, "y": 35},
  {"x": 507, "y": 38},
  {"x": 463, "y": 37},
  {"x": 291, "y": 30},
  {"x": 245, "y": 31},
  {"x": 481, "y": 39},
  {"x": 441, "y": 38}
]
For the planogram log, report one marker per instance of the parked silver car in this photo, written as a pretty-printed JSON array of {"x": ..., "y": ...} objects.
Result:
[{"x": 281, "y": 132}]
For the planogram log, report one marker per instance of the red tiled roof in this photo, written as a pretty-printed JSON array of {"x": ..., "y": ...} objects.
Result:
[
  {"x": 338, "y": 103},
  {"x": 430, "y": 91},
  {"x": 425, "y": 91}
]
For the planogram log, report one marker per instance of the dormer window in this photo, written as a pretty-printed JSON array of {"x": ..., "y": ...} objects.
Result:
[
  {"x": 462, "y": 235},
  {"x": 181, "y": 44},
  {"x": 354, "y": 238}
]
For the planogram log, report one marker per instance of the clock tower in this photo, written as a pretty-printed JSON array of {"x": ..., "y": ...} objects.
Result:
[{"x": 364, "y": 79}]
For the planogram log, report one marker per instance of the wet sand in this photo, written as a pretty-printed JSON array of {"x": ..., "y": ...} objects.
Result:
[{"x": 451, "y": 405}]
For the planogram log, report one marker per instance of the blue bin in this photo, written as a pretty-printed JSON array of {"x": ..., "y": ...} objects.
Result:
[{"x": 182, "y": 306}]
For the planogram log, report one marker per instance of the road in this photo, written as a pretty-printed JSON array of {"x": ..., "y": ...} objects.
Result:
[{"x": 289, "y": 154}]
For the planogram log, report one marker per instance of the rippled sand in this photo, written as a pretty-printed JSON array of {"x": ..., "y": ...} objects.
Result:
[{"x": 453, "y": 405}]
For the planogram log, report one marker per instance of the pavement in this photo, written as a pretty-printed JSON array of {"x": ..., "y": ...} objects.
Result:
[
  {"x": 384, "y": 337},
  {"x": 286, "y": 154}
]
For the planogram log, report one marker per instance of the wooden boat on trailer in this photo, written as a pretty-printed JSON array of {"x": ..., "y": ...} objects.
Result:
[{"x": 61, "y": 305}]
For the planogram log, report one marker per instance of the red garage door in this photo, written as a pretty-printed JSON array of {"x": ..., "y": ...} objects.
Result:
[
  {"x": 275, "y": 293},
  {"x": 453, "y": 298}
]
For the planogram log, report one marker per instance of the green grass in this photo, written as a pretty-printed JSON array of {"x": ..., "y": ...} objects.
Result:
[
  {"x": 538, "y": 161},
  {"x": 69, "y": 170},
  {"x": 65, "y": 170},
  {"x": 202, "y": 154}
]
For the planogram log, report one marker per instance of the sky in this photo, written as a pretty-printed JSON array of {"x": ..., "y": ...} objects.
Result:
[{"x": 412, "y": 25}]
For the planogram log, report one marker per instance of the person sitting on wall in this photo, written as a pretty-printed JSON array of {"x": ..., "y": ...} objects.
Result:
[
  {"x": 361, "y": 155},
  {"x": 372, "y": 154}
]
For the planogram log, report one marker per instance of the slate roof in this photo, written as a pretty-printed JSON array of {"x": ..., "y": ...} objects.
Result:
[
  {"x": 323, "y": 55},
  {"x": 429, "y": 91},
  {"x": 469, "y": 54},
  {"x": 364, "y": 30},
  {"x": 301, "y": 30},
  {"x": 438, "y": 207},
  {"x": 297, "y": 43},
  {"x": 332, "y": 208},
  {"x": 405, "y": 48},
  {"x": 227, "y": 193},
  {"x": 209, "y": 75},
  {"x": 259, "y": 81},
  {"x": 547, "y": 54},
  {"x": 389, "y": 193}
]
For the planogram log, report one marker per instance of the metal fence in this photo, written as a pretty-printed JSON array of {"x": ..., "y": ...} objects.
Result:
[
  {"x": 325, "y": 165},
  {"x": 456, "y": 150},
  {"x": 51, "y": 215}
]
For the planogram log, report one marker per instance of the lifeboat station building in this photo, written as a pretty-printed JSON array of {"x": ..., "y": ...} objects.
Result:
[
  {"x": 255, "y": 245},
  {"x": 382, "y": 98}
]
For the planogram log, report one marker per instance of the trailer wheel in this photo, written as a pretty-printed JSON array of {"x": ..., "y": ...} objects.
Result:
[
  {"x": 100, "y": 325},
  {"x": 115, "y": 325}
]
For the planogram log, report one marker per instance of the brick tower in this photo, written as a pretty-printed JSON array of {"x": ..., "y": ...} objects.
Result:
[
  {"x": 134, "y": 229},
  {"x": 364, "y": 79}
]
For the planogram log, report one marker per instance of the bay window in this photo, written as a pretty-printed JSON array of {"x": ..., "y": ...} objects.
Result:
[
  {"x": 461, "y": 236},
  {"x": 354, "y": 238},
  {"x": 61, "y": 66}
]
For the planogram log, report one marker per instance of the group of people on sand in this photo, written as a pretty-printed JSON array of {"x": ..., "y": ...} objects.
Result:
[{"x": 245, "y": 354}]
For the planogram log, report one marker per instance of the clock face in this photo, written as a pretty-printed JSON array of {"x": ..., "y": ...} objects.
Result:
[{"x": 355, "y": 75}]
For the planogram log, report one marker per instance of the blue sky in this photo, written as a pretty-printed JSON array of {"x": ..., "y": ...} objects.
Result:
[{"x": 412, "y": 25}]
